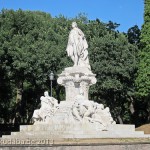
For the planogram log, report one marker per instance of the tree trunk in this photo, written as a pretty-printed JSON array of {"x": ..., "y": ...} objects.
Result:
[
  {"x": 120, "y": 120},
  {"x": 148, "y": 119},
  {"x": 131, "y": 107},
  {"x": 19, "y": 90}
]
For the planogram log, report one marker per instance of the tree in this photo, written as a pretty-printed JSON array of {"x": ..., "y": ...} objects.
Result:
[
  {"x": 30, "y": 49},
  {"x": 143, "y": 75},
  {"x": 112, "y": 25},
  {"x": 143, "y": 79},
  {"x": 114, "y": 62},
  {"x": 133, "y": 34}
]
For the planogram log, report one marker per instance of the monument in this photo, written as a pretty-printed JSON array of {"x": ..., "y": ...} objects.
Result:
[
  {"x": 76, "y": 117},
  {"x": 77, "y": 110}
]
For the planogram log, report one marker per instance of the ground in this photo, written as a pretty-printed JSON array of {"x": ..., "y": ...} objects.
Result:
[{"x": 145, "y": 128}]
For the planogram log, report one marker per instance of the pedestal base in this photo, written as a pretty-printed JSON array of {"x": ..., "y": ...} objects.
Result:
[{"x": 74, "y": 79}]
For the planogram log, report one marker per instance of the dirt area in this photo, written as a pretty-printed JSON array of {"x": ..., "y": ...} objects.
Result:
[{"x": 145, "y": 128}]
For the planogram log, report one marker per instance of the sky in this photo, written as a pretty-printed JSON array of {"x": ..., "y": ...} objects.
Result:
[{"x": 125, "y": 12}]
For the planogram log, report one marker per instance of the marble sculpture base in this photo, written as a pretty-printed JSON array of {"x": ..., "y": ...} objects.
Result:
[
  {"x": 67, "y": 128},
  {"x": 60, "y": 122}
]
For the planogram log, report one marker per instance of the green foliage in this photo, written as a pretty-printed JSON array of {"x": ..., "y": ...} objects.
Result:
[
  {"x": 114, "y": 62},
  {"x": 143, "y": 74},
  {"x": 143, "y": 78},
  {"x": 31, "y": 45},
  {"x": 134, "y": 35},
  {"x": 112, "y": 25}
]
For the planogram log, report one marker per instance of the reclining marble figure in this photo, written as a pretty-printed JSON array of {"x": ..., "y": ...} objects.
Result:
[{"x": 92, "y": 112}]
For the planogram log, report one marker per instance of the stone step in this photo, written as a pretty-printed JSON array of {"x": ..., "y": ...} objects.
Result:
[
  {"x": 121, "y": 127},
  {"x": 5, "y": 136},
  {"x": 58, "y": 127},
  {"x": 74, "y": 132},
  {"x": 104, "y": 135},
  {"x": 28, "y": 137},
  {"x": 107, "y": 136},
  {"x": 39, "y": 127},
  {"x": 41, "y": 133}
]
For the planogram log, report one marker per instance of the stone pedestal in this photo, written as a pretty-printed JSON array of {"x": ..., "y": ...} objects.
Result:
[
  {"x": 74, "y": 79},
  {"x": 74, "y": 131}
]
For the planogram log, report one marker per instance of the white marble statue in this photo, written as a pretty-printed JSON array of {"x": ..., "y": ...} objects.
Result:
[
  {"x": 82, "y": 107},
  {"x": 77, "y": 108},
  {"x": 92, "y": 112},
  {"x": 77, "y": 47},
  {"x": 76, "y": 116},
  {"x": 49, "y": 105}
]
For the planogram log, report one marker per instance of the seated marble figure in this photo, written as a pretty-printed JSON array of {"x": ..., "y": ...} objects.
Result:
[{"x": 49, "y": 106}]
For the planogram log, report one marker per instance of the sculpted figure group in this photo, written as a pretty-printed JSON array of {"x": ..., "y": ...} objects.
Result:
[
  {"x": 85, "y": 110},
  {"x": 82, "y": 111},
  {"x": 49, "y": 106}
]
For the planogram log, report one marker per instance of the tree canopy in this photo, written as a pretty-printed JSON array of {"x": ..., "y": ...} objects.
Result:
[
  {"x": 143, "y": 75},
  {"x": 143, "y": 79}
]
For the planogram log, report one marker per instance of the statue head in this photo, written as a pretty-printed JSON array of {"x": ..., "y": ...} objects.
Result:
[
  {"x": 46, "y": 94},
  {"x": 42, "y": 98},
  {"x": 74, "y": 24}
]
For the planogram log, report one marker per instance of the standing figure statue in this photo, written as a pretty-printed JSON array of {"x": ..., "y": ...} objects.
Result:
[{"x": 77, "y": 47}]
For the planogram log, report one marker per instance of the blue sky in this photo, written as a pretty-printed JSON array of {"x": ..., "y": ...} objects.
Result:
[{"x": 125, "y": 12}]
